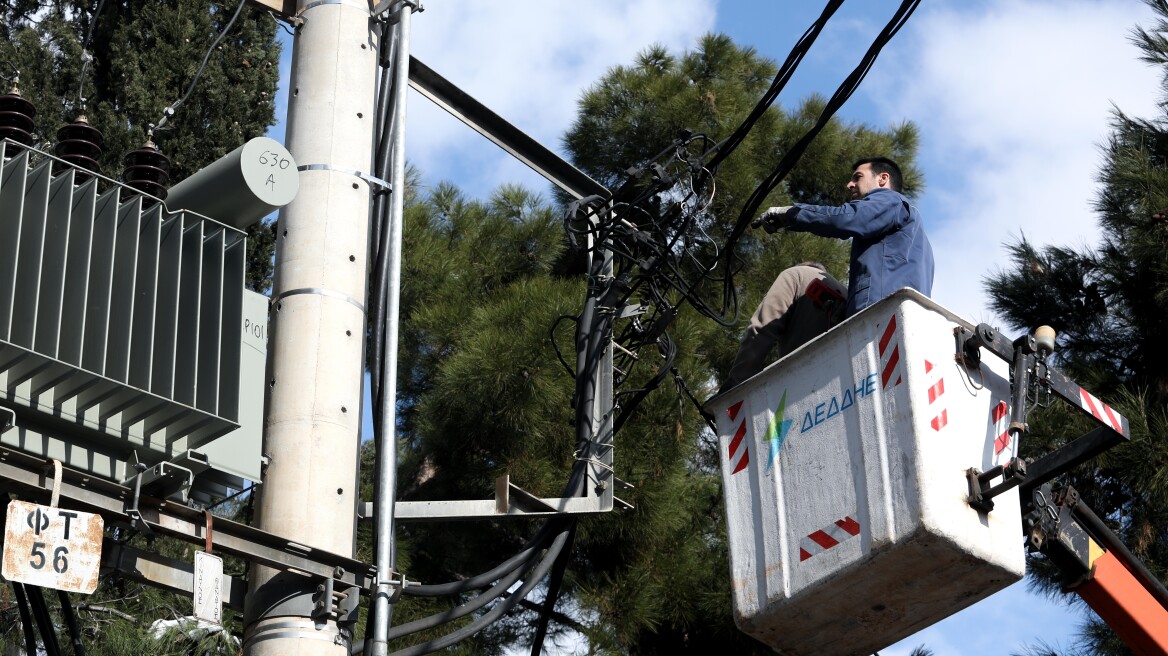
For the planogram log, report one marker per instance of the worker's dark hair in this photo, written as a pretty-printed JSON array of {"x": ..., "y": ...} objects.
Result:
[{"x": 884, "y": 165}]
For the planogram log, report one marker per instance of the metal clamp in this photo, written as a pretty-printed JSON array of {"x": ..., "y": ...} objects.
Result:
[
  {"x": 386, "y": 5},
  {"x": 398, "y": 582},
  {"x": 981, "y": 495},
  {"x": 7, "y": 419},
  {"x": 331, "y": 603}
]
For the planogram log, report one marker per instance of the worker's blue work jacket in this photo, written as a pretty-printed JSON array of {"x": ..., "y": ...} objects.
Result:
[{"x": 889, "y": 246}]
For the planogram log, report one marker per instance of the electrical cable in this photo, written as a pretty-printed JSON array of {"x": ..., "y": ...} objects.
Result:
[
  {"x": 71, "y": 622},
  {"x": 475, "y": 603},
  {"x": 794, "y": 58},
  {"x": 534, "y": 544},
  {"x": 553, "y": 590},
  {"x": 170, "y": 110},
  {"x": 379, "y": 242},
  {"x": 25, "y": 618},
  {"x": 495, "y": 613},
  {"x": 44, "y": 621},
  {"x": 86, "y": 57}
]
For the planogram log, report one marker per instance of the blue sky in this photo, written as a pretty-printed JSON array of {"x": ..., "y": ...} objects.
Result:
[{"x": 1012, "y": 99}]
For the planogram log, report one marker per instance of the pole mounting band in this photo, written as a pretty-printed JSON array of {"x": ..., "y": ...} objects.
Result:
[
  {"x": 356, "y": 4},
  {"x": 321, "y": 292},
  {"x": 378, "y": 182}
]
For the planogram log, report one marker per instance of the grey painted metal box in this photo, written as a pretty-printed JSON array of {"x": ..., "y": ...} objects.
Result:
[
  {"x": 843, "y": 467},
  {"x": 118, "y": 322}
]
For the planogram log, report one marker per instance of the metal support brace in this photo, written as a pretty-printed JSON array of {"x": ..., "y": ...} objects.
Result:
[
  {"x": 1031, "y": 381},
  {"x": 131, "y": 508},
  {"x": 24, "y": 473}
]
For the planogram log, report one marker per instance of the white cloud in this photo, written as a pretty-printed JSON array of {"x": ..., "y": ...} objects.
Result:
[
  {"x": 1013, "y": 99},
  {"x": 529, "y": 61}
]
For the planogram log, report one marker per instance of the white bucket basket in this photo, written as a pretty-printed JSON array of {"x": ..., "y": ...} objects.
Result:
[{"x": 844, "y": 467}]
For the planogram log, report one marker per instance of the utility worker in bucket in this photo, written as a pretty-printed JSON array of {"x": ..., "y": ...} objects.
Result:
[
  {"x": 889, "y": 247},
  {"x": 889, "y": 251},
  {"x": 802, "y": 303}
]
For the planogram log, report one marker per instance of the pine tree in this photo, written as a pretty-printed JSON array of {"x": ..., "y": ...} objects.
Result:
[
  {"x": 483, "y": 392},
  {"x": 145, "y": 54},
  {"x": 1110, "y": 306}
]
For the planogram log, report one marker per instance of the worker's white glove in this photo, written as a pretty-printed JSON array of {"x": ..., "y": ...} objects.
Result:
[{"x": 775, "y": 218}]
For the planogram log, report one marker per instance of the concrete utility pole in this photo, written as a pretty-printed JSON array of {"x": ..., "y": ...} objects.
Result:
[{"x": 311, "y": 430}]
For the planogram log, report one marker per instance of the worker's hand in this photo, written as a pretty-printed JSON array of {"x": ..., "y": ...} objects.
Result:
[{"x": 775, "y": 218}]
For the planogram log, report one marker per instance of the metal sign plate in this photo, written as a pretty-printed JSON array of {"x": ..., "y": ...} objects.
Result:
[
  {"x": 52, "y": 547},
  {"x": 208, "y": 588}
]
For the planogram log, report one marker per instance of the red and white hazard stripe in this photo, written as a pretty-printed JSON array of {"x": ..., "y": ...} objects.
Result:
[
  {"x": 736, "y": 441},
  {"x": 893, "y": 354},
  {"x": 936, "y": 390},
  {"x": 827, "y": 537},
  {"x": 1101, "y": 410},
  {"x": 998, "y": 419}
]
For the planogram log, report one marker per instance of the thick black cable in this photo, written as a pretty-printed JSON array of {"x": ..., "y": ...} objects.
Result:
[
  {"x": 794, "y": 58},
  {"x": 44, "y": 621},
  {"x": 556, "y": 345},
  {"x": 534, "y": 544},
  {"x": 169, "y": 111},
  {"x": 553, "y": 591},
  {"x": 478, "y": 601},
  {"x": 25, "y": 618},
  {"x": 504, "y": 606},
  {"x": 382, "y": 233},
  {"x": 71, "y": 622}
]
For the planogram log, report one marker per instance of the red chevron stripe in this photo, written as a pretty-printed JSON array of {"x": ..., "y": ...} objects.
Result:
[
  {"x": 823, "y": 539},
  {"x": 733, "y": 410},
  {"x": 738, "y": 438},
  {"x": 742, "y": 463},
  {"x": 940, "y": 420},
  {"x": 892, "y": 360},
  {"x": 936, "y": 390},
  {"x": 1089, "y": 403},
  {"x": 999, "y": 411},
  {"x": 884, "y": 339},
  {"x": 1115, "y": 423},
  {"x": 1002, "y": 442},
  {"x": 803, "y": 555}
]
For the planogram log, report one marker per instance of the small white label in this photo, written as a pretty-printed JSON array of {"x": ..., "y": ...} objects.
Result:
[
  {"x": 208, "y": 590},
  {"x": 52, "y": 547}
]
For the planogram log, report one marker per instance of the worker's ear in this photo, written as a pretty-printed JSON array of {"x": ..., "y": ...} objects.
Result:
[{"x": 884, "y": 180}]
